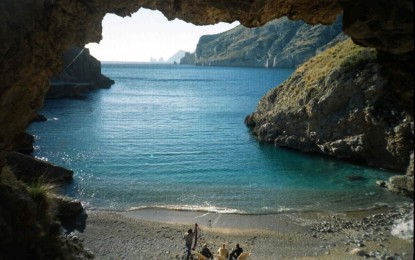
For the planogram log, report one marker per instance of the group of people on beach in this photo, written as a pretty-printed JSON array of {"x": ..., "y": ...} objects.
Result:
[{"x": 222, "y": 251}]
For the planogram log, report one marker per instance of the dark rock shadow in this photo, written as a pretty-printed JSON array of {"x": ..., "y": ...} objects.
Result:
[{"x": 77, "y": 222}]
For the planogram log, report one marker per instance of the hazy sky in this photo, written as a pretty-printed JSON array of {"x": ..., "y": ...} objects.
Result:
[{"x": 148, "y": 34}]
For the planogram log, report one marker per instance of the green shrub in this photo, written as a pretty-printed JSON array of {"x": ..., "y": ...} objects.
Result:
[
  {"x": 358, "y": 58},
  {"x": 39, "y": 193}
]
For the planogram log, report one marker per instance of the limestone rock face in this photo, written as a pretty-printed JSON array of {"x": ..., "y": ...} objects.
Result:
[
  {"x": 280, "y": 43},
  {"x": 80, "y": 67},
  {"x": 34, "y": 35},
  {"x": 81, "y": 73},
  {"x": 338, "y": 104},
  {"x": 188, "y": 59},
  {"x": 410, "y": 169},
  {"x": 403, "y": 184}
]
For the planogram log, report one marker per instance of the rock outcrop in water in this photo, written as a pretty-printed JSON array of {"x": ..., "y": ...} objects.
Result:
[
  {"x": 81, "y": 73},
  {"x": 30, "y": 169},
  {"x": 339, "y": 104},
  {"x": 280, "y": 44}
]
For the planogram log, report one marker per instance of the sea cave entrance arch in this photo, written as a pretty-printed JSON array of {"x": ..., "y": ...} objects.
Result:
[{"x": 147, "y": 36}]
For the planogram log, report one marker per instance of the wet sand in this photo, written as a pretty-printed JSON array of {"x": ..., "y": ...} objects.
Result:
[{"x": 158, "y": 234}]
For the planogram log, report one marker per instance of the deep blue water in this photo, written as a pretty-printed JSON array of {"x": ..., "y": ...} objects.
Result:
[{"x": 173, "y": 136}]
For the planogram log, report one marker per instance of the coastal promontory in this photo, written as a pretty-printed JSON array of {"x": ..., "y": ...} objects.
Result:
[
  {"x": 280, "y": 43},
  {"x": 81, "y": 73},
  {"x": 339, "y": 104}
]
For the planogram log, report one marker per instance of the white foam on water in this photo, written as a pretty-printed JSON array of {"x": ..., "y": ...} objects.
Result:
[
  {"x": 207, "y": 209},
  {"x": 404, "y": 228}
]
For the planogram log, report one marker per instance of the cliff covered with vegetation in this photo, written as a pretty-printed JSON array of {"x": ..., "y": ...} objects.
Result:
[{"x": 280, "y": 43}]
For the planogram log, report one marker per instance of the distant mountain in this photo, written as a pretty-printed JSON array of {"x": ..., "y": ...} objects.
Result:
[
  {"x": 188, "y": 58},
  {"x": 176, "y": 57},
  {"x": 280, "y": 43}
]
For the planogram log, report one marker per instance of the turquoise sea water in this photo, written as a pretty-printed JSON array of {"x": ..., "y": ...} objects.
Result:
[{"x": 173, "y": 137}]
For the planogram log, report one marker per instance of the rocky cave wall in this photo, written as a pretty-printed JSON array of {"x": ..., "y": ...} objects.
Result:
[{"x": 35, "y": 33}]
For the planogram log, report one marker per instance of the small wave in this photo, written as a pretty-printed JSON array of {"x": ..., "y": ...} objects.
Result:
[
  {"x": 223, "y": 210},
  {"x": 42, "y": 158},
  {"x": 404, "y": 227},
  {"x": 207, "y": 209},
  {"x": 287, "y": 210}
]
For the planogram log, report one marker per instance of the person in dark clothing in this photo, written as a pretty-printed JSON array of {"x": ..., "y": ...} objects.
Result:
[
  {"x": 189, "y": 239},
  {"x": 236, "y": 252},
  {"x": 206, "y": 252}
]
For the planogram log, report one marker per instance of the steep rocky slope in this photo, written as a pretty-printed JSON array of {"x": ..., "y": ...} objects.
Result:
[
  {"x": 188, "y": 59},
  {"x": 29, "y": 227},
  {"x": 81, "y": 73},
  {"x": 280, "y": 43},
  {"x": 339, "y": 104}
]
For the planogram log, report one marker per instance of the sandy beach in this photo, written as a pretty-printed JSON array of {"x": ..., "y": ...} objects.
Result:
[{"x": 158, "y": 234}]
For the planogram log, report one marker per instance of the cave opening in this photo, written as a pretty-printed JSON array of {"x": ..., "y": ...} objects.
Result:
[
  {"x": 163, "y": 127},
  {"x": 147, "y": 36}
]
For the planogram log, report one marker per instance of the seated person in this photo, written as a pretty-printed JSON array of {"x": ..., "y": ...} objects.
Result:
[
  {"x": 206, "y": 252},
  {"x": 236, "y": 252},
  {"x": 222, "y": 251}
]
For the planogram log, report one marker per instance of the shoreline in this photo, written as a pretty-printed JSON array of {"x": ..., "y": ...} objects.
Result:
[{"x": 157, "y": 234}]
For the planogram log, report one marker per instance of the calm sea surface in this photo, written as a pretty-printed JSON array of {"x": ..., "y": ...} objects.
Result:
[{"x": 173, "y": 137}]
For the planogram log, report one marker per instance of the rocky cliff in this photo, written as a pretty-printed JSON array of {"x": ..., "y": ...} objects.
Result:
[
  {"x": 81, "y": 73},
  {"x": 188, "y": 59},
  {"x": 280, "y": 43},
  {"x": 338, "y": 103},
  {"x": 29, "y": 221}
]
